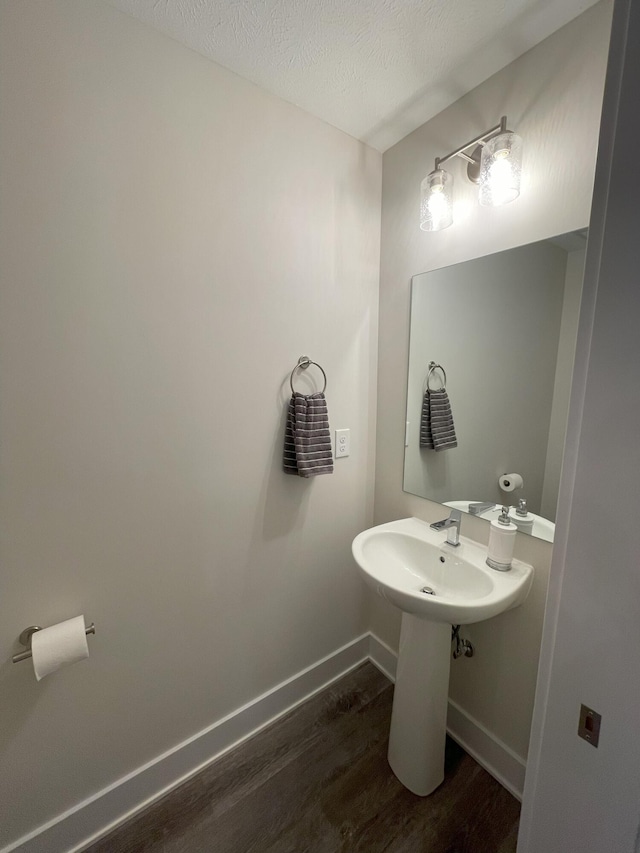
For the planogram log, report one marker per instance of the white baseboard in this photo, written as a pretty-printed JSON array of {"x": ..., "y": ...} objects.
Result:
[
  {"x": 383, "y": 657},
  {"x": 490, "y": 752},
  {"x": 94, "y": 817},
  {"x": 496, "y": 757}
]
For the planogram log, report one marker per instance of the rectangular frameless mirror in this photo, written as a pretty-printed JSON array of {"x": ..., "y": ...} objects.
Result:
[{"x": 504, "y": 329}]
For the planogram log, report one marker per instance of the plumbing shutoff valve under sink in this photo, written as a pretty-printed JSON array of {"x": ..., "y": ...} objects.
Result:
[{"x": 402, "y": 559}]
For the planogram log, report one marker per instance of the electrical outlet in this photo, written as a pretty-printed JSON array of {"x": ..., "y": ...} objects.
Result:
[
  {"x": 589, "y": 725},
  {"x": 343, "y": 442}
]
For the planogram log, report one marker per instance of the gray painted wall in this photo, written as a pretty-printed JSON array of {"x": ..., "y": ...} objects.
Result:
[{"x": 172, "y": 239}]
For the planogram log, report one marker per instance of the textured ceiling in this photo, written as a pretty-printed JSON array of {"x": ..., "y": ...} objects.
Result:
[{"x": 376, "y": 69}]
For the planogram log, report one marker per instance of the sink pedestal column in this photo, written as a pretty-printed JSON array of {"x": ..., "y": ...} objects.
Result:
[{"x": 419, "y": 715}]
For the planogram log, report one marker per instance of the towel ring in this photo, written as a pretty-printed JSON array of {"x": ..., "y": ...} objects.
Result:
[
  {"x": 303, "y": 362},
  {"x": 433, "y": 366}
]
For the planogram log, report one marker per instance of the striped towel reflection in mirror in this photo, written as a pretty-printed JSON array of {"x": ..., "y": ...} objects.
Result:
[
  {"x": 437, "y": 431},
  {"x": 307, "y": 440}
]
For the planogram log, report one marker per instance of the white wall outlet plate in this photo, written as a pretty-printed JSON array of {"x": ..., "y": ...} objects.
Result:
[{"x": 343, "y": 443}]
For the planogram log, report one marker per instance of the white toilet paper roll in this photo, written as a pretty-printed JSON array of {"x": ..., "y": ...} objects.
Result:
[
  {"x": 58, "y": 646},
  {"x": 510, "y": 482}
]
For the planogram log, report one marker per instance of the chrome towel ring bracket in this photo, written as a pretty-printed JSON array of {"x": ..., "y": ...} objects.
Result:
[
  {"x": 433, "y": 367},
  {"x": 303, "y": 363}
]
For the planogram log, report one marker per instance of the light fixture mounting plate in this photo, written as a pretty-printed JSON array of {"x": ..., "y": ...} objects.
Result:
[{"x": 473, "y": 169}]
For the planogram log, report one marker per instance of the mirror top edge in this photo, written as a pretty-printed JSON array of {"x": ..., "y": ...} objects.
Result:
[{"x": 576, "y": 234}]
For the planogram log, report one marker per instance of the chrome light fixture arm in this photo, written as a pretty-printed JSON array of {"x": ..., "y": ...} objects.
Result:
[{"x": 473, "y": 160}]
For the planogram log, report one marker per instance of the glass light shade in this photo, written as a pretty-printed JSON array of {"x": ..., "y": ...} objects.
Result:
[
  {"x": 500, "y": 169},
  {"x": 436, "y": 201}
]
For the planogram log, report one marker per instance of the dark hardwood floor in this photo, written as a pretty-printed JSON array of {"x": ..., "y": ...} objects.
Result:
[{"x": 317, "y": 781}]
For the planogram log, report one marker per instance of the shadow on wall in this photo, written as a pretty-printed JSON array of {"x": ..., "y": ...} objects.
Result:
[{"x": 19, "y": 694}]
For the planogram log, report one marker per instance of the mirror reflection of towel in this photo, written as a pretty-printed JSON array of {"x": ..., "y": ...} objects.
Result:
[
  {"x": 437, "y": 431},
  {"x": 307, "y": 440}
]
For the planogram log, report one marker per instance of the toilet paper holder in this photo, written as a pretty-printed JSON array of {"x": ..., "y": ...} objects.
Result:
[{"x": 25, "y": 640}]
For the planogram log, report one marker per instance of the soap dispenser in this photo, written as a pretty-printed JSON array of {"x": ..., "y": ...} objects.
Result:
[
  {"x": 522, "y": 518},
  {"x": 502, "y": 538}
]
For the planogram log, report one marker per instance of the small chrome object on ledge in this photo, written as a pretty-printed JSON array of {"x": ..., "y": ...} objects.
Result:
[
  {"x": 480, "y": 508},
  {"x": 27, "y": 634}
]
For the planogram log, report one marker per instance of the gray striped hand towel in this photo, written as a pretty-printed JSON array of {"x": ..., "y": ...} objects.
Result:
[
  {"x": 307, "y": 440},
  {"x": 437, "y": 431}
]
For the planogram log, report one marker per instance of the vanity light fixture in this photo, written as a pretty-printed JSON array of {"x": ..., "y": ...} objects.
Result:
[{"x": 495, "y": 164}]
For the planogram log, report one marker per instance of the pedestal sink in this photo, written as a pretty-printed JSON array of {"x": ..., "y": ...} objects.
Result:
[{"x": 435, "y": 585}]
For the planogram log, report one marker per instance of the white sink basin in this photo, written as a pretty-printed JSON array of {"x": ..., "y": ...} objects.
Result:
[
  {"x": 399, "y": 560},
  {"x": 402, "y": 559}
]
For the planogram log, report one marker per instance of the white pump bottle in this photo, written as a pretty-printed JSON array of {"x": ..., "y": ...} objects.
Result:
[{"x": 502, "y": 539}]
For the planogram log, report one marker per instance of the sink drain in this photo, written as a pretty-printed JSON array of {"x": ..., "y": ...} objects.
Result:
[{"x": 428, "y": 590}]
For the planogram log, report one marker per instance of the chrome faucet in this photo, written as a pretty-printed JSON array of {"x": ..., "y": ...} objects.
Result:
[{"x": 451, "y": 525}]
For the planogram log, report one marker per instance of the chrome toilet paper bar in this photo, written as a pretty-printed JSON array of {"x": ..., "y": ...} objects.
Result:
[{"x": 27, "y": 634}]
